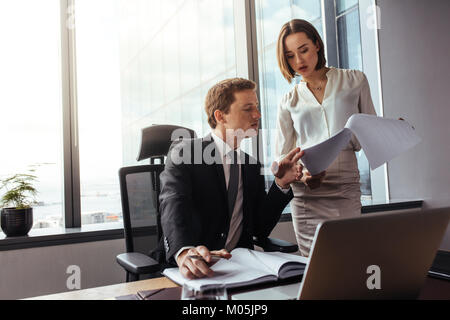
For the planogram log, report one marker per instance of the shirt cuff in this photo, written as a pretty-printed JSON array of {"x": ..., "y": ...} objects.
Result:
[
  {"x": 285, "y": 191},
  {"x": 181, "y": 250}
]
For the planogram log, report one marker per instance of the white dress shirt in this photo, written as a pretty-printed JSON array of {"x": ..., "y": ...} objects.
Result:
[{"x": 235, "y": 230}]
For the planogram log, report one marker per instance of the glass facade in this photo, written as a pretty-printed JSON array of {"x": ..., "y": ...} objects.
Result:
[
  {"x": 98, "y": 94},
  {"x": 142, "y": 63},
  {"x": 171, "y": 53},
  {"x": 349, "y": 40},
  {"x": 343, "y": 5}
]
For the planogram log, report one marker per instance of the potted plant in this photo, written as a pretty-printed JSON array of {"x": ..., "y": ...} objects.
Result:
[{"x": 17, "y": 219}]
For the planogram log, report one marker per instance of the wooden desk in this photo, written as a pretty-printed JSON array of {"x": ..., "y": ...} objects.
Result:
[
  {"x": 109, "y": 292},
  {"x": 434, "y": 289}
]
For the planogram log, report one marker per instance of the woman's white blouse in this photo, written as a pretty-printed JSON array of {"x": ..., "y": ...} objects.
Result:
[{"x": 303, "y": 121}]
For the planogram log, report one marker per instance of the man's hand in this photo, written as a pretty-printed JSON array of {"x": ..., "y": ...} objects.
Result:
[
  {"x": 288, "y": 170},
  {"x": 313, "y": 181},
  {"x": 198, "y": 268}
]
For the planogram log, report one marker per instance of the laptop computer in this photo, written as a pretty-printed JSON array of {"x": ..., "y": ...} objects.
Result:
[{"x": 373, "y": 256}]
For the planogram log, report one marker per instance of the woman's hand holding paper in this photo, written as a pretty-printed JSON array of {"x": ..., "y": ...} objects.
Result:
[{"x": 313, "y": 181}]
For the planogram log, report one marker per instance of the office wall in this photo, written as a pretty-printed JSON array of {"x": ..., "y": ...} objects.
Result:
[
  {"x": 415, "y": 68},
  {"x": 40, "y": 271}
]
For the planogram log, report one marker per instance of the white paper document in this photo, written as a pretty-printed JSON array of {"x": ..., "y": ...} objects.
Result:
[
  {"x": 381, "y": 139},
  {"x": 246, "y": 267}
]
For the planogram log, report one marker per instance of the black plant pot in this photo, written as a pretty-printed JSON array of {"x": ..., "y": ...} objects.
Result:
[{"x": 16, "y": 222}]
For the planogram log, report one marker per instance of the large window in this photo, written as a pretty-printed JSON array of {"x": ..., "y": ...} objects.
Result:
[
  {"x": 30, "y": 101},
  {"x": 77, "y": 93},
  {"x": 99, "y": 110},
  {"x": 141, "y": 63}
]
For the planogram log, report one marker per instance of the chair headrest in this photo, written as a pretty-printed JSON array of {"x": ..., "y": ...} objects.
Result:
[{"x": 156, "y": 139}]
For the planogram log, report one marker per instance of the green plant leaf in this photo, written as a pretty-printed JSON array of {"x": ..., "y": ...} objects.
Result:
[{"x": 20, "y": 190}]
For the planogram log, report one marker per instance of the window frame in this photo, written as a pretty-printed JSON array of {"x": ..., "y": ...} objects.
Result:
[
  {"x": 72, "y": 195},
  {"x": 372, "y": 69}
]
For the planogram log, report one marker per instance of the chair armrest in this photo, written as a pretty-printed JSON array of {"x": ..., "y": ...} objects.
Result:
[
  {"x": 137, "y": 263},
  {"x": 272, "y": 244}
]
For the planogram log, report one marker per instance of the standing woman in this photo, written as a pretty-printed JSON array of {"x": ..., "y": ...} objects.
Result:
[{"x": 313, "y": 111}]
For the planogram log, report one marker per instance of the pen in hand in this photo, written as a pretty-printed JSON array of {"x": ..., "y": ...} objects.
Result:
[{"x": 214, "y": 258}]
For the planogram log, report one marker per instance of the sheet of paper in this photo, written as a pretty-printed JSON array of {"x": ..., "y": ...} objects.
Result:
[
  {"x": 381, "y": 139},
  {"x": 319, "y": 157}
]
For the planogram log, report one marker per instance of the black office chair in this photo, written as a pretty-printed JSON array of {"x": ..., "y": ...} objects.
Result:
[
  {"x": 139, "y": 188},
  {"x": 139, "y": 191}
]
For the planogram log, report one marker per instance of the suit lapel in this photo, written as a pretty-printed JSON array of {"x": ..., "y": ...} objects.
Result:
[{"x": 248, "y": 181}]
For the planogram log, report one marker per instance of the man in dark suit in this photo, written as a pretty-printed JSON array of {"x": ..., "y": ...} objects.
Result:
[{"x": 213, "y": 195}]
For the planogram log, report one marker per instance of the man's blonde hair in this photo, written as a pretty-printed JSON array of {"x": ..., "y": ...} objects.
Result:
[{"x": 221, "y": 96}]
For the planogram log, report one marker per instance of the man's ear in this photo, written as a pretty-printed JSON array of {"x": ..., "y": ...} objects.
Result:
[{"x": 219, "y": 116}]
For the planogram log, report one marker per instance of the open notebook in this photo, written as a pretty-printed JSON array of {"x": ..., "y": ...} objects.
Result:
[{"x": 246, "y": 267}]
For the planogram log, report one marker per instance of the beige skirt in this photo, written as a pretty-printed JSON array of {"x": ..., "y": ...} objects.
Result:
[{"x": 338, "y": 196}]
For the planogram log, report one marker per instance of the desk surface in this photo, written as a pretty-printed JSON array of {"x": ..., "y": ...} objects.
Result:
[
  {"x": 434, "y": 289},
  {"x": 109, "y": 292}
]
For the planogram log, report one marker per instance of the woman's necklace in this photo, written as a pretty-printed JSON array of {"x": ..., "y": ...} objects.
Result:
[{"x": 316, "y": 88}]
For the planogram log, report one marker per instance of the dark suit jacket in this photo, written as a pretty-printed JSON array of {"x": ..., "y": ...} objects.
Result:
[{"x": 193, "y": 199}]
